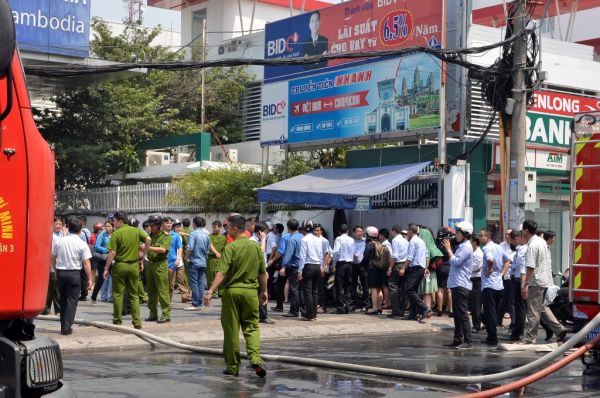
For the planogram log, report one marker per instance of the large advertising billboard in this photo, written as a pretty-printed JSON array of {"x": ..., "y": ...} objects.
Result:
[
  {"x": 391, "y": 95},
  {"x": 354, "y": 26},
  {"x": 59, "y": 27}
]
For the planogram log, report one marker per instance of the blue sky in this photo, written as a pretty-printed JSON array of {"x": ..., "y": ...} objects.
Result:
[{"x": 115, "y": 10}]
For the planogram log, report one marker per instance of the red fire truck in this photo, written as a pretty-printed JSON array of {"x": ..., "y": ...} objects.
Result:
[
  {"x": 584, "y": 288},
  {"x": 30, "y": 365}
]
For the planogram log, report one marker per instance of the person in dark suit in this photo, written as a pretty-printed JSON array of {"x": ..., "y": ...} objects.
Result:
[{"x": 316, "y": 44}]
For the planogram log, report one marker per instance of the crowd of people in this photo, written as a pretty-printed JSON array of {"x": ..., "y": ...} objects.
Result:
[{"x": 411, "y": 272}]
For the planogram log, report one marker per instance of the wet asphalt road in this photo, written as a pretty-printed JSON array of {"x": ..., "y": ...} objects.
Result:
[{"x": 166, "y": 372}]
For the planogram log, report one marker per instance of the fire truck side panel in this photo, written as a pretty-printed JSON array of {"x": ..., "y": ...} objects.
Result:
[
  {"x": 13, "y": 208},
  {"x": 40, "y": 169},
  {"x": 585, "y": 266}
]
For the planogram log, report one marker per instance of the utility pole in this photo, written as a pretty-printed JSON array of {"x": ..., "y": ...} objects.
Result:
[
  {"x": 135, "y": 10},
  {"x": 203, "y": 75},
  {"x": 516, "y": 207}
]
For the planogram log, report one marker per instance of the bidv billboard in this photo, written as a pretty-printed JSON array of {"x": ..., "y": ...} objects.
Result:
[
  {"x": 340, "y": 99},
  {"x": 354, "y": 26},
  {"x": 59, "y": 27},
  {"x": 375, "y": 98}
]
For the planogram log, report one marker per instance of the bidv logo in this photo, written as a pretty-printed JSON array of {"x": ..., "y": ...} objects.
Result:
[
  {"x": 274, "y": 111},
  {"x": 281, "y": 45}
]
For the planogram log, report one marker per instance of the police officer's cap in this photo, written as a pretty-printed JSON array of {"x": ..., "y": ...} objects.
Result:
[{"x": 153, "y": 220}]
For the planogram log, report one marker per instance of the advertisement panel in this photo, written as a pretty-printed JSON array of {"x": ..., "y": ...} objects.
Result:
[
  {"x": 274, "y": 114},
  {"x": 376, "y": 98},
  {"x": 549, "y": 120},
  {"x": 59, "y": 27},
  {"x": 353, "y": 26}
]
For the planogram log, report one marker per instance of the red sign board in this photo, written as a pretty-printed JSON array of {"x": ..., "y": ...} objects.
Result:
[
  {"x": 361, "y": 25},
  {"x": 563, "y": 104},
  {"x": 353, "y": 26}
]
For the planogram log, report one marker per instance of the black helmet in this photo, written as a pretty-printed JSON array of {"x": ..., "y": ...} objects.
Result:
[
  {"x": 152, "y": 220},
  {"x": 307, "y": 225}
]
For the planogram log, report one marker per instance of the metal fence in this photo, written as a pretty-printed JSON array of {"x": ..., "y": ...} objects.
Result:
[
  {"x": 140, "y": 198},
  {"x": 146, "y": 198},
  {"x": 420, "y": 192}
]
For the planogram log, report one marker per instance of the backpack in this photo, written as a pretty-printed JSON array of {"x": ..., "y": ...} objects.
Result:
[{"x": 381, "y": 257}]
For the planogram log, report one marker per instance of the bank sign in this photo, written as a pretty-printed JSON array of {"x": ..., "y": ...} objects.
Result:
[
  {"x": 59, "y": 27},
  {"x": 549, "y": 120},
  {"x": 391, "y": 95},
  {"x": 352, "y": 26}
]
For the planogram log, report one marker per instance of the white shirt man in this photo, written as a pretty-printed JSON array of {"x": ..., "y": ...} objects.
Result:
[
  {"x": 538, "y": 279},
  {"x": 69, "y": 256}
]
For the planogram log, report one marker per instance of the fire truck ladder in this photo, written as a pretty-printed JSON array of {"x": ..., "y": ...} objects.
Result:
[{"x": 585, "y": 214}]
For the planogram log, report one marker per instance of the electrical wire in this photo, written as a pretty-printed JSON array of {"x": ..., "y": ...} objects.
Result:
[{"x": 445, "y": 55}]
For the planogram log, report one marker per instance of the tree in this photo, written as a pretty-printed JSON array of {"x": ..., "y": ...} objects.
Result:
[
  {"x": 218, "y": 190},
  {"x": 404, "y": 88},
  {"x": 96, "y": 129}
]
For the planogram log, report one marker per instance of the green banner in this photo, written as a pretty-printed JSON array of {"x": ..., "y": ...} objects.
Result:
[{"x": 549, "y": 130}]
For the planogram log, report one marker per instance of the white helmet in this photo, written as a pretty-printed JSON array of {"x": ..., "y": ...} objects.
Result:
[
  {"x": 372, "y": 232},
  {"x": 464, "y": 226}
]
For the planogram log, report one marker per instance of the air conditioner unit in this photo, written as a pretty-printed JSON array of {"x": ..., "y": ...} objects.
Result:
[
  {"x": 220, "y": 156},
  {"x": 233, "y": 45},
  {"x": 233, "y": 155},
  {"x": 183, "y": 158},
  {"x": 154, "y": 158}
]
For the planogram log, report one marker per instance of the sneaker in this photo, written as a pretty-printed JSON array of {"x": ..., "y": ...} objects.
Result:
[
  {"x": 228, "y": 373},
  {"x": 192, "y": 308},
  {"x": 464, "y": 346},
  {"x": 489, "y": 342},
  {"x": 276, "y": 309},
  {"x": 94, "y": 302},
  {"x": 561, "y": 336},
  {"x": 453, "y": 344},
  {"x": 259, "y": 369},
  {"x": 163, "y": 320}
]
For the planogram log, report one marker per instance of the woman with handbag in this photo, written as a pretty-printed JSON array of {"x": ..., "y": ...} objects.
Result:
[{"x": 100, "y": 253}]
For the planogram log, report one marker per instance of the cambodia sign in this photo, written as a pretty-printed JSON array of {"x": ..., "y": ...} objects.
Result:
[
  {"x": 549, "y": 120},
  {"x": 353, "y": 26},
  {"x": 59, "y": 27}
]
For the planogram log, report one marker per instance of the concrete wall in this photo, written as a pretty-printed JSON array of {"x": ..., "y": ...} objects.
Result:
[
  {"x": 250, "y": 152},
  {"x": 387, "y": 218},
  {"x": 223, "y": 17},
  {"x": 166, "y": 38}
]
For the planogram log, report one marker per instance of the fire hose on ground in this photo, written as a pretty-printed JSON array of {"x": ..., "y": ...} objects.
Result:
[{"x": 396, "y": 373}]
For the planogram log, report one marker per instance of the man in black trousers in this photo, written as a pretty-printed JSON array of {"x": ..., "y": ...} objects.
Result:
[
  {"x": 343, "y": 251},
  {"x": 70, "y": 255}
]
